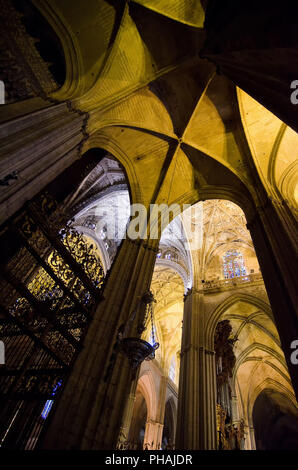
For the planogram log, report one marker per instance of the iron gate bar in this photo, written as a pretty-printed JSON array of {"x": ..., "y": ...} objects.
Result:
[
  {"x": 31, "y": 334},
  {"x": 30, "y": 380},
  {"x": 62, "y": 250},
  {"x": 51, "y": 273}
]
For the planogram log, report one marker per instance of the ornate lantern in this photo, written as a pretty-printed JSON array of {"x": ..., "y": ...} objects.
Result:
[{"x": 136, "y": 349}]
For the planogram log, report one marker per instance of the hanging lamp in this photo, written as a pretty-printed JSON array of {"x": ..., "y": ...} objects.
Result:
[{"x": 136, "y": 349}]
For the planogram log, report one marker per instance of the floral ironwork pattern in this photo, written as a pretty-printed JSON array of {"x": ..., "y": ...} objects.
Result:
[{"x": 50, "y": 282}]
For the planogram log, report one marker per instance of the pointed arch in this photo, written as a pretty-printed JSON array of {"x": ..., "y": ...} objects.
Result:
[
  {"x": 100, "y": 140},
  {"x": 273, "y": 384},
  {"x": 227, "y": 303}
]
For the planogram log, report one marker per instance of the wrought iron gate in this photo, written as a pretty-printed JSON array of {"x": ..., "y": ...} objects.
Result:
[{"x": 50, "y": 284}]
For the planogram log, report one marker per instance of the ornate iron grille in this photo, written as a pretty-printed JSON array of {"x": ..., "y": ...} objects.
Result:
[{"x": 50, "y": 284}]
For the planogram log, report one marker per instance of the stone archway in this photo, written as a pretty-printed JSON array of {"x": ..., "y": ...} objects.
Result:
[{"x": 275, "y": 421}]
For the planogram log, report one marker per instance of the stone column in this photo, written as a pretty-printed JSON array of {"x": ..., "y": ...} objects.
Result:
[
  {"x": 277, "y": 257},
  {"x": 196, "y": 423},
  {"x": 128, "y": 412},
  {"x": 161, "y": 408},
  {"x": 250, "y": 436},
  {"x": 90, "y": 411},
  {"x": 154, "y": 426},
  {"x": 35, "y": 148}
]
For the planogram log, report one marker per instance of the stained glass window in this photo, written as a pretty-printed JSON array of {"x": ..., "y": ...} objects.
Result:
[
  {"x": 49, "y": 403},
  {"x": 233, "y": 264}
]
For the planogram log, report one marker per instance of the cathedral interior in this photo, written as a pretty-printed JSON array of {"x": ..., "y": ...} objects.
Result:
[{"x": 184, "y": 336}]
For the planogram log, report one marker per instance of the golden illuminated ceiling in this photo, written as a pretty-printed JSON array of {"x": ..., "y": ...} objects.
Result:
[
  {"x": 210, "y": 229},
  {"x": 224, "y": 229},
  {"x": 182, "y": 132},
  {"x": 274, "y": 147},
  {"x": 158, "y": 107}
]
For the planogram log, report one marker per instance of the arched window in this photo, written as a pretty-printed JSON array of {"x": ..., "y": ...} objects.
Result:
[
  {"x": 103, "y": 233},
  {"x": 172, "y": 370},
  {"x": 151, "y": 339},
  {"x": 233, "y": 264}
]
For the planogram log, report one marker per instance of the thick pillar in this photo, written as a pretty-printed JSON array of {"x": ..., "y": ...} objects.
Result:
[
  {"x": 196, "y": 423},
  {"x": 35, "y": 148},
  {"x": 277, "y": 257},
  {"x": 90, "y": 411}
]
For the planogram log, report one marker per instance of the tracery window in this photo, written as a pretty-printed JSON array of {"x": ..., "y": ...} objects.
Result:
[{"x": 233, "y": 264}]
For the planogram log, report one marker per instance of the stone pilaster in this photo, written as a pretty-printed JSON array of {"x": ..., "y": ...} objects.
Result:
[
  {"x": 196, "y": 423},
  {"x": 128, "y": 412},
  {"x": 90, "y": 411}
]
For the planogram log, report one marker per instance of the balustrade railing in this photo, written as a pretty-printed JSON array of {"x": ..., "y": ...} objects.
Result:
[{"x": 231, "y": 283}]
